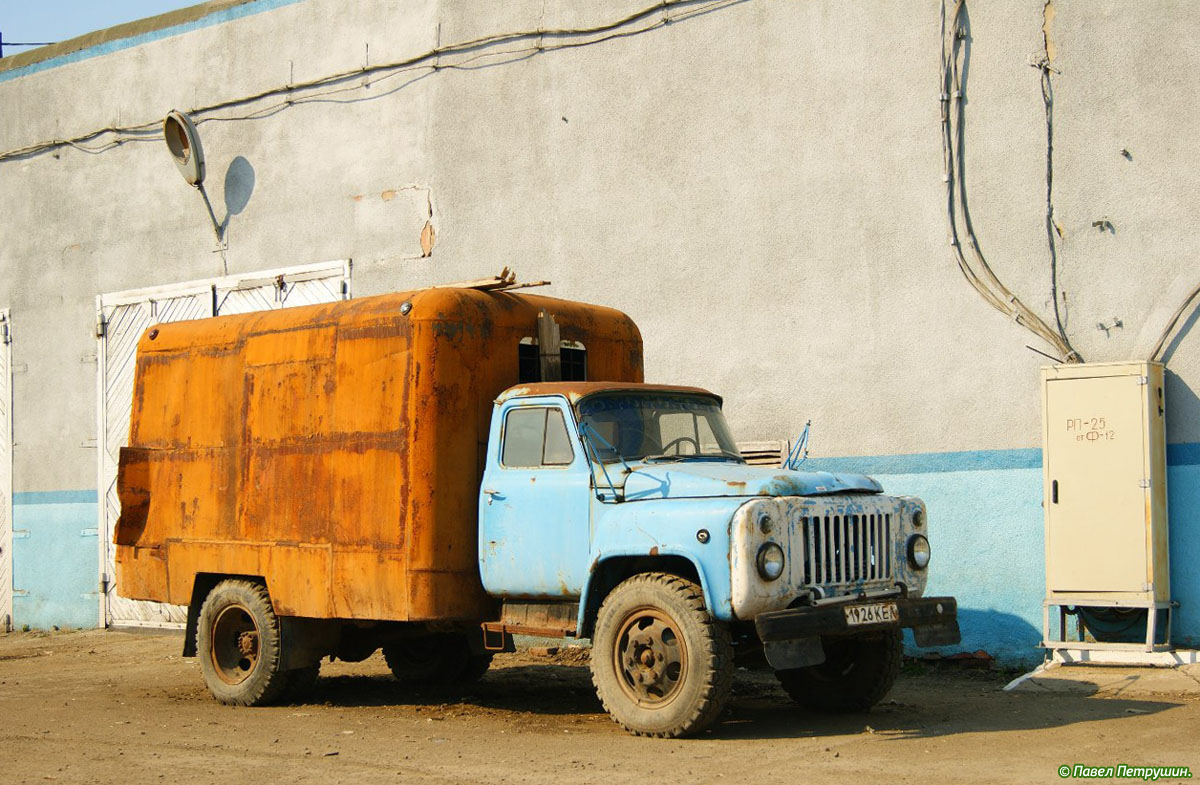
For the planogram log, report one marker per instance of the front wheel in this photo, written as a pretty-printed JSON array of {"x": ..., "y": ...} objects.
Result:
[
  {"x": 661, "y": 664},
  {"x": 857, "y": 673}
]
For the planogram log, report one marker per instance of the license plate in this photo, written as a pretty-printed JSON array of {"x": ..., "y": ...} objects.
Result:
[{"x": 876, "y": 613}]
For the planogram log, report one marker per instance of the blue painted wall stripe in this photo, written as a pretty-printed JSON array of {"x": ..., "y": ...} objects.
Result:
[
  {"x": 1184, "y": 454},
  {"x": 56, "y": 497},
  {"x": 931, "y": 462},
  {"x": 216, "y": 18},
  {"x": 55, "y": 564}
]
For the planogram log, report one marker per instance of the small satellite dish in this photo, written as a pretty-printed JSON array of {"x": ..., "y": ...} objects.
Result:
[{"x": 184, "y": 143}]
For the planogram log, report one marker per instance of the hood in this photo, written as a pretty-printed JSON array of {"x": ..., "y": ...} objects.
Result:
[{"x": 692, "y": 479}]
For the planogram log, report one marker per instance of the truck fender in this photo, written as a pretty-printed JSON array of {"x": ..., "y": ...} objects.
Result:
[
  {"x": 610, "y": 569},
  {"x": 201, "y": 586}
]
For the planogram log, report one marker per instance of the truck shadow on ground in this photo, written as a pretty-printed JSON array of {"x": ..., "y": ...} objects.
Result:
[
  {"x": 927, "y": 702},
  {"x": 537, "y": 689}
]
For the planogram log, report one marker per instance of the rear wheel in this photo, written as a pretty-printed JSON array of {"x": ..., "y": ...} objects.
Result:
[
  {"x": 857, "y": 673},
  {"x": 238, "y": 640},
  {"x": 437, "y": 660},
  {"x": 661, "y": 664},
  {"x": 300, "y": 683}
]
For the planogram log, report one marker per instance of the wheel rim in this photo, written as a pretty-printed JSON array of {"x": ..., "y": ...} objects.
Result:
[
  {"x": 235, "y": 644},
  {"x": 650, "y": 657}
]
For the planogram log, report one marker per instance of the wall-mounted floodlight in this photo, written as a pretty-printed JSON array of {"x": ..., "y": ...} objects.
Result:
[{"x": 184, "y": 143}]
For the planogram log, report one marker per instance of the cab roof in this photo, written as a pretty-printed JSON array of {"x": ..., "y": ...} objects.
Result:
[{"x": 574, "y": 391}]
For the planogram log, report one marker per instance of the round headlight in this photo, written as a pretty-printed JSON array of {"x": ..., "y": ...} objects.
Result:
[
  {"x": 918, "y": 551},
  {"x": 770, "y": 561}
]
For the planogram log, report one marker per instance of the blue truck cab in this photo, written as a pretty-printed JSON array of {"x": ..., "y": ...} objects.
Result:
[{"x": 624, "y": 513}]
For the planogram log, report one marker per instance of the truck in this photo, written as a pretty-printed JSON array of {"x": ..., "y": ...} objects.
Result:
[{"x": 434, "y": 472}]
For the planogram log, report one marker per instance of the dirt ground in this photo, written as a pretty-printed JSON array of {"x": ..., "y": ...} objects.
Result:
[{"x": 97, "y": 707}]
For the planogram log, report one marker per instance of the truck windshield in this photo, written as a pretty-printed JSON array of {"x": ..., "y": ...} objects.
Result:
[{"x": 656, "y": 427}]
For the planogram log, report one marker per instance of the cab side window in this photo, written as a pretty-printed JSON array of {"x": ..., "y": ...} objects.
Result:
[{"x": 534, "y": 437}]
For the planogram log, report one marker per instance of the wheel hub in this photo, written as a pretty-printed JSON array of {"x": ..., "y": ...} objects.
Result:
[
  {"x": 650, "y": 657},
  {"x": 235, "y": 639},
  {"x": 248, "y": 643}
]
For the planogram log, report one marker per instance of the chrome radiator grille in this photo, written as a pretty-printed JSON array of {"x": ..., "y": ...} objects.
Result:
[{"x": 845, "y": 549}]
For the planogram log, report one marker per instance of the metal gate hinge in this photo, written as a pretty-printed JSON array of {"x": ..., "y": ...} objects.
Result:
[
  {"x": 1143, "y": 483},
  {"x": 1142, "y": 381},
  {"x": 5, "y": 334},
  {"x": 101, "y": 325}
]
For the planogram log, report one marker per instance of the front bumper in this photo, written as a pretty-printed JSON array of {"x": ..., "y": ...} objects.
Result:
[{"x": 792, "y": 638}]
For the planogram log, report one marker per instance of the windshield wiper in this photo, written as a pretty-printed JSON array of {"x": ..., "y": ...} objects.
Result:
[
  {"x": 663, "y": 458},
  {"x": 586, "y": 431},
  {"x": 589, "y": 432},
  {"x": 699, "y": 456}
]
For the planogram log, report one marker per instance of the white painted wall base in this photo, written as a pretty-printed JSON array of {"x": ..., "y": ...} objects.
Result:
[{"x": 1150, "y": 659}]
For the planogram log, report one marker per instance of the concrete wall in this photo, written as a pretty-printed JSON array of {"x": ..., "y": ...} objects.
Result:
[{"x": 757, "y": 183}]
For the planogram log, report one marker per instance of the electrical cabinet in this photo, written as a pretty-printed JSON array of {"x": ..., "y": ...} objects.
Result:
[{"x": 1105, "y": 489}]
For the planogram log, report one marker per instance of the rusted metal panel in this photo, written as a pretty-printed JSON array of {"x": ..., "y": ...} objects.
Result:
[
  {"x": 123, "y": 318},
  {"x": 336, "y": 450},
  {"x": 553, "y": 619}
]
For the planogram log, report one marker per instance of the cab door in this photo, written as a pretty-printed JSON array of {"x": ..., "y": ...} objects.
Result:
[{"x": 534, "y": 503}]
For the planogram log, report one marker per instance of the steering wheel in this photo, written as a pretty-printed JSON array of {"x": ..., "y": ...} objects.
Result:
[{"x": 674, "y": 442}]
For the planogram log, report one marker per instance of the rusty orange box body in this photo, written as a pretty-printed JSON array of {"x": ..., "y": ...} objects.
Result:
[{"x": 334, "y": 450}]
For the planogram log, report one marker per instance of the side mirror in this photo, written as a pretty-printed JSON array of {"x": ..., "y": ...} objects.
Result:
[{"x": 183, "y": 141}]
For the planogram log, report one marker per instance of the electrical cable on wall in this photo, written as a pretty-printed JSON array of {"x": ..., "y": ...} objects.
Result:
[
  {"x": 654, "y": 16},
  {"x": 976, "y": 269},
  {"x": 1052, "y": 230},
  {"x": 1166, "y": 333},
  {"x": 971, "y": 264}
]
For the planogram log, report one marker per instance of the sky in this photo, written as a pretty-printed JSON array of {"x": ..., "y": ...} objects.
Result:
[{"x": 58, "y": 20}]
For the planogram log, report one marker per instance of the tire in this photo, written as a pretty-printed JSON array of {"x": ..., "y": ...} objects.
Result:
[
  {"x": 300, "y": 683},
  {"x": 440, "y": 660},
  {"x": 239, "y": 644},
  {"x": 661, "y": 664},
  {"x": 857, "y": 673},
  {"x": 477, "y": 665}
]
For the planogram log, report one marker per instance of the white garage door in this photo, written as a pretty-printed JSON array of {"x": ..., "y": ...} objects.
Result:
[
  {"x": 123, "y": 318},
  {"x": 6, "y": 574}
]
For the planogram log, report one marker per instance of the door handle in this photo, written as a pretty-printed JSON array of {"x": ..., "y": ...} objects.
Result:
[
  {"x": 493, "y": 494},
  {"x": 1054, "y": 491}
]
